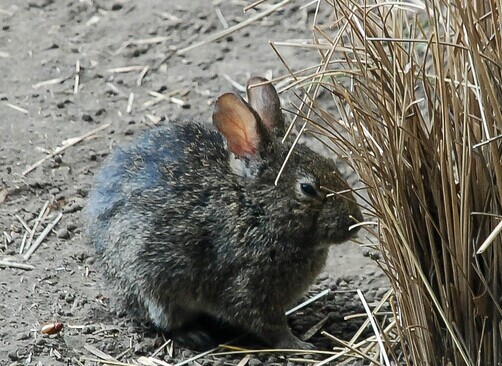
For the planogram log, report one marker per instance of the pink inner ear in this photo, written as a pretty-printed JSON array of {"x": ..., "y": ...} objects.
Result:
[{"x": 237, "y": 123}]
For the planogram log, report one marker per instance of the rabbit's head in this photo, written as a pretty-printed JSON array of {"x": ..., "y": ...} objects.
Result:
[{"x": 311, "y": 198}]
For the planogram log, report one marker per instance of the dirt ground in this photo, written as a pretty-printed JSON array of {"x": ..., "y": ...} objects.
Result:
[{"x": 41, "y": 43}]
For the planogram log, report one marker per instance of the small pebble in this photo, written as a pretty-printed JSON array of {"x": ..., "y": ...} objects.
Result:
[
  {"x": 23, "y": 337},
  {"x": 100, "y": 111},
  {"x": 75, "y": 205},
  {"x": 254, "y": 362},
  {"x": 13, "y": 356},
  {"x": 54, "y": 190},
  {"x": 69, "y": 298},
  {"x": 341, "y": 282},
  {"x": 89, "y": 329},
  {"x": 87, "y": 118},
  {"x": 62, "y": 233}
]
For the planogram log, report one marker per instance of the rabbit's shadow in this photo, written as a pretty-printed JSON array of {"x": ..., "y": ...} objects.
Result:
[{"x": 206, "y": 332}]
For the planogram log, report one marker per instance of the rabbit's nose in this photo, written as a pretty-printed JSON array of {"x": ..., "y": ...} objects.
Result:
[{"x": 357, "y": 216}]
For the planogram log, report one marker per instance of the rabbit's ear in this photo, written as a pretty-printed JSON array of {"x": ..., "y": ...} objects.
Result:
[
  {"x": 236, "y": 121},
  {"x": 265, "y": 101}
]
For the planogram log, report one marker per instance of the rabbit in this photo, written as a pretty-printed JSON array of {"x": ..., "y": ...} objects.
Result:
[{"x": 189, "y": 222}]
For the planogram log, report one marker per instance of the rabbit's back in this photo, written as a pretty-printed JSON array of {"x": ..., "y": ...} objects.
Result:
[{"x": 150, "y": 166}]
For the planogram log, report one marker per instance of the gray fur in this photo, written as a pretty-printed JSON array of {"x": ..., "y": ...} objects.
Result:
[{"x": 182, "y": 232}]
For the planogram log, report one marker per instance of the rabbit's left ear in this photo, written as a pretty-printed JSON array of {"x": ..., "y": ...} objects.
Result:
[
  {"x": 265, "y": 101},
  {"x": 240, "y": 126}
]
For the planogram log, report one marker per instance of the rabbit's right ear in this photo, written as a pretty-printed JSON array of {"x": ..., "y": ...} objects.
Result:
[
  {"x": 264, "y": 99},
  {"x": 238, "y": 124}
]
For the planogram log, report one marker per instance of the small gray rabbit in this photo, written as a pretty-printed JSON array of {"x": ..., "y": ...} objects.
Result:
[{"x": 189, "y": 221}]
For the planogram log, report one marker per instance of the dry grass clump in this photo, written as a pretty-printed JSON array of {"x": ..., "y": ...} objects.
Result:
[{"x": 418, "y": 91}]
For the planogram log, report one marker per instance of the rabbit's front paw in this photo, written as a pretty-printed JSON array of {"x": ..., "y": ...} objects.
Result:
[
  {"x": 294, "y": 343},
  {"x": 282, "y": 338},
  {"x": 195, "y": 339}
]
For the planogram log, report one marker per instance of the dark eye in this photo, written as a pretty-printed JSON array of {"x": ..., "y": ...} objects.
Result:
[{"x": 308, "y": 189}]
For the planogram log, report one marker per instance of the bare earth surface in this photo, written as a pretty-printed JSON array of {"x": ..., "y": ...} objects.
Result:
[{"x": 43, "y": 40}]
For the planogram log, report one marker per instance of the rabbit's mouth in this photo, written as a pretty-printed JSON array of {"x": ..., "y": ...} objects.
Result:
[{"x": 338, "y": 231}]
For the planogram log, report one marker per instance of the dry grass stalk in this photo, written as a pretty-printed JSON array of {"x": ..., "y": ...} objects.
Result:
[
  {"x": 117, "y": 90},
  {"x": 42, "y": 236},
  {"x": 238, "y": 26},
  {"x": 17, "y": 108},
  {"x": 109, "y": 362},
  {"x": 66, "y": 144},
  {"x": 137, "y": 42},
  {"x": 98, "y": 353},
  {"x": 358, "y": 347},
  {"x": 125, "y": 69},
  {"x": 164, "y": 345},
  {"x": 39, "y": 218},
  {"x": 25, "y": 225},
  {"x": 376, "y": 330},
  {"x": 418, "y": 89},
  {"x": 159, "y": 97},
  {"x": 77, "y": 77},
  {"x": 10, "y": 264},
  {"x": 244, "y": 361},
  {"x": 49, "y": 82},
  {"x": 130, "y": 101},
  {"x": 169, "y": 16},
  {"x": 221, "y": 17},
  {"x": 23, "y": 242},
  {"x": 142, "y": 75},
  {"x": 253, "y": 5},
  {"x": 307, "y": 302}
]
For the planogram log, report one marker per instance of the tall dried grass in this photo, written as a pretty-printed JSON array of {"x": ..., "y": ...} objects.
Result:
[{"x": 418, "y": 94}]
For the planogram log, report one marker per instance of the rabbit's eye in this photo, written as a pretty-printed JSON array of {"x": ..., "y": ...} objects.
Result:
[{"x": 308, "y": 189}]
